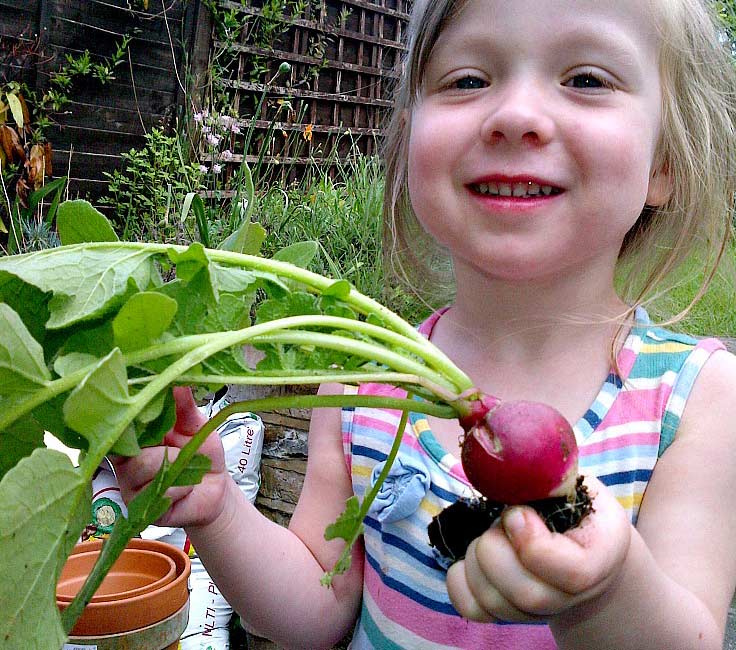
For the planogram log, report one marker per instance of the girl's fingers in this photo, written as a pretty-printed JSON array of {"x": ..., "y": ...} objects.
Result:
[
  {"x": 136, "y": 472},
  {"x": 189, "y": 420},
  {"x": 463, "y": 598},
  {"x": 582, "y": 559},
  {"x": 506, "y": 588}
]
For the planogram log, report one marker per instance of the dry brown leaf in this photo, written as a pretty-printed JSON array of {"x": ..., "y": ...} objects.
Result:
[{"x": 11, "y": 144}]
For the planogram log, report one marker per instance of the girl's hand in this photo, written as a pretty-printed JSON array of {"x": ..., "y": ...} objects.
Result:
[
  {"x": 190, "y": 505},
  {"x": 519, "y": 571}
]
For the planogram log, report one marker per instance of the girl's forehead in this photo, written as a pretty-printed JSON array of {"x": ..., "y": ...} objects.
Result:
[{"x": 527, "y": 22}]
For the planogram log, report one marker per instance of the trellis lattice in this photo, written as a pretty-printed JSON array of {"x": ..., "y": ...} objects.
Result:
[{"x": 344, "y": 57}]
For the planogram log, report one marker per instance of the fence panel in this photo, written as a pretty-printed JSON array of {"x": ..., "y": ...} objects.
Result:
[
  {"x": 344, "y": 57},
  {"x": 101, "y": 121}
]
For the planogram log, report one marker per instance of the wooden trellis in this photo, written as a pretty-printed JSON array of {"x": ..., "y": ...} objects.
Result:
[{"x": 344, "y": 57}]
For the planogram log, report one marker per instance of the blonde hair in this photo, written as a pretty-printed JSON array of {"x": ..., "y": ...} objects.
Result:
[{"x": 697, "y": 149}]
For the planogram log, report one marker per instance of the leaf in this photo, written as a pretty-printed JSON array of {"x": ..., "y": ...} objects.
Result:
[
  {"x": 22, "y": 365},
  {"x": 97, "y": 340},
  {"x": 232, "y": 280},
  {"x": 348, "y": 526},
  {"x": 299, "y": 254},
  {"x": 78, "y": 221},
  {"x": 18, "y": 441},
  {"x": 153, "y": 430},
  {"x": 100, "y": 405},
  {"x": 45, "y": 503},
  {"x": 338, "y": 289},
  {"x": 69, "y": 363},
  {"x": 16, "y": 108},
  {"x": 142, "y": 320},
  {"x": 247, "y": 239},
  {"x": 194, "y": 471},
  {"x": 344, "y": 527},
  {"x": 29, "y": 303},
  {"x": 297, "y": 303},
  {"x": 86, "y": 282},
  {"x": 189, "y": 262}
]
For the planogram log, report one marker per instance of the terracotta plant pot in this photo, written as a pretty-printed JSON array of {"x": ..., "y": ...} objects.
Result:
[{"x": 143, "y": 602}]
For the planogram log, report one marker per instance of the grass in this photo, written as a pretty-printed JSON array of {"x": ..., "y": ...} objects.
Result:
[
  {"x": 715, "y": 313},
  {"x": 342, "y": 212}
]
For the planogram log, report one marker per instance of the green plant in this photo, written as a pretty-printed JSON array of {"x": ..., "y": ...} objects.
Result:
[
  {"x": 90, "y": 354},
  {"x": 342, "y": 211},
  {"x": 148, "y": 193},
  {"x": 25, "y": 152}
]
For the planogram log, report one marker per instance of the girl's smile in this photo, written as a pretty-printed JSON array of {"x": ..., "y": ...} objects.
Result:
[{"x": 514, "y": 194}]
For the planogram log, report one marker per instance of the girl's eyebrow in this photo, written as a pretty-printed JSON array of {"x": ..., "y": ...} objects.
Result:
[{"x": 614, "y": 45}]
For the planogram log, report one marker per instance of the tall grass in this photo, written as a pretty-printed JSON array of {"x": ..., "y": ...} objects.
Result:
[{"x": 340, "y": 209}]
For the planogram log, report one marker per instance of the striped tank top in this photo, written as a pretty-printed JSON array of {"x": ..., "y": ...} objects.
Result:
[{"x": 405, "y": 603}]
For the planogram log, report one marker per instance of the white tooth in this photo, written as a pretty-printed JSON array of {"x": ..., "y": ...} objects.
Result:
[
  {"x": 520, "y": 189},
  {"x": 504, "y": 190},
  {"x": 493, "y": 188},
  {"x": 546, "y": 190},
  {"x": 533, "y": 189},
  {"x": 483, "y": 188}
]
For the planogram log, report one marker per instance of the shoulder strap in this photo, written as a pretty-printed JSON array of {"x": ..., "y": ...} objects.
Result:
[{"x": 682, "y": 387}]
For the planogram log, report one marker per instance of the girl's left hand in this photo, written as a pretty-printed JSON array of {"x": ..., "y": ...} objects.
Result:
[{"x": 519, "y": 571}]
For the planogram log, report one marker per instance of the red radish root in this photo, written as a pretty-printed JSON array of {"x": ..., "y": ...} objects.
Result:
[{"x": 516, "y": 452}]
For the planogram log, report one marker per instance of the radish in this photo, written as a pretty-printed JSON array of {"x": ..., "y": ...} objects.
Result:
[
  {"x": 512, "y": 453},
  {"x": 516, "y": 452}
]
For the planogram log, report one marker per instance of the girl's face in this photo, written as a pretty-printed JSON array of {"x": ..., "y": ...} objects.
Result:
[{"x": 532, "y": 144}]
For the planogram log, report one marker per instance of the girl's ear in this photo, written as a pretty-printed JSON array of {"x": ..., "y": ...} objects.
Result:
[{"x": 660, "y": 186}]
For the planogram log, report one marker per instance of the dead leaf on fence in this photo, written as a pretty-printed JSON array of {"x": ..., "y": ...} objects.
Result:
[
  {"x": 26, "y": 113},
  {"x": 35, "y": 166},
  {"x": 21, "y": 191},
  {"x": 11, "y": 144}
]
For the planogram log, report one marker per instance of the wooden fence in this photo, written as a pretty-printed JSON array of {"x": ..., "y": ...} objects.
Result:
[
  {"x": 101, "y": 121},
  {"x": 343, "y": 56}
]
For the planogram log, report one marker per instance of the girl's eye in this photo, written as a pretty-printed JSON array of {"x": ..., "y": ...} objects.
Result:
[
  {"x": 587, "y": 80},
  {"x": 469, "y": 83}
]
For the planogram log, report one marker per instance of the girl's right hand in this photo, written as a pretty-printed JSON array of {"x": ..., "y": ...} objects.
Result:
[{"x": 192, "y": 505}]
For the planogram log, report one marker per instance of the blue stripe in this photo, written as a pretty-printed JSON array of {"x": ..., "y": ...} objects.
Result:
[
  {"x": 639, "y": 453},
  {"x": 434, "y": 605},
  {"x": 443, "y": 494},
  {"x": 368, "y": 452},
  {"x": 592, "y": 419},
  {"x": 621, "y": 478},
  {"x": 397, "y": 542}
]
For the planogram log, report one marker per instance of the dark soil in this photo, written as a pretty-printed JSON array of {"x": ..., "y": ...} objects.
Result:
[{"x": 451, "y": 531}]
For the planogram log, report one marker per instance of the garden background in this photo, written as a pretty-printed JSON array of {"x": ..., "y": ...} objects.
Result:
[{"x": 149, "y": 108}]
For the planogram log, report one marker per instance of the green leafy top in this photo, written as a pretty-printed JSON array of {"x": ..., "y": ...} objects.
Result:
[{"x": 94, "y": 334}]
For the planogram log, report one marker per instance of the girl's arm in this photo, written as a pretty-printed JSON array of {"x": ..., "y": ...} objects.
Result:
[
  {"x": 666, "y": 584},
  {"x": 269, "y": 574},
  {"x": 679, "y": 576}
]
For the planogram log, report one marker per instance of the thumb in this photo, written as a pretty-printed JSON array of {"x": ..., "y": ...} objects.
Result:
[{"x": 521, "y": 524}]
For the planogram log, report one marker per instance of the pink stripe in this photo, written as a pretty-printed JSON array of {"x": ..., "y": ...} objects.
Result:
[
  {"x": 628, "y": 440},
  {"x": 453, "y": 630},
  {"x": 626, "y": 359},
  {"x": 645, "y": 405}
]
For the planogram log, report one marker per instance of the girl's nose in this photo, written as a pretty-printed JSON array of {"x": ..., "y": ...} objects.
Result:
[{"x": 518, "y": 116}]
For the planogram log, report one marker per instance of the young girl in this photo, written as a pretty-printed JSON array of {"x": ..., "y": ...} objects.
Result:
[{"x": 544, "y": 145}]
